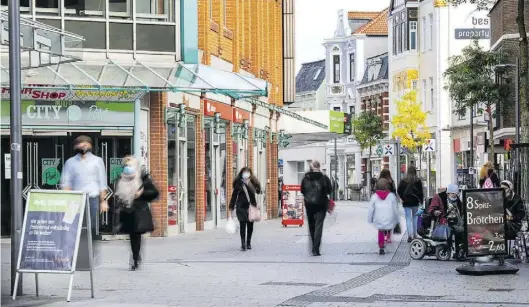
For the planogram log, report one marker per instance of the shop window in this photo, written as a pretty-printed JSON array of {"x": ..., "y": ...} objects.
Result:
[{"x": 300, "y": 166}]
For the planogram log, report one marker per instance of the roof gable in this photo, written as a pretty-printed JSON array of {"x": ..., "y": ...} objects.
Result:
[
  {"x": 376, "y": 69},
  {"x": 310, "y": 76},
  {"x": 378, "y": 26}
]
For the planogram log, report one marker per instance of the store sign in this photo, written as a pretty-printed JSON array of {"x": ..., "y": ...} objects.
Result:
[
  {"x": 73, "y": 113},
  {"x": 348, "y": 124},
  {"x": 336, "y": 122},
  {"x": 50, "y": 171},
  {"x": 240, "y": 115},
  {"x": 212, "y": 107},
  {"x": 485, "y": 224},
  {"x": 90, "y": 94},
  {"x": 7, "y": 165},
  {"x": 475, "y": 33}
]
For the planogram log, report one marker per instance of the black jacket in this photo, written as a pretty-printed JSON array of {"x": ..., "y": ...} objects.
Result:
[
  {"x": 411, "y": 193},
  {"x": 138, "y": 218},
  {"x": 516, "y": 206},
  {"x": 308, "y": 183},
  {"x": 240, "y": 202}
]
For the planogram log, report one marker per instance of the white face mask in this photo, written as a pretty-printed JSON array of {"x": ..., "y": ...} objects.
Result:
[{"x": 245, "y": 175}]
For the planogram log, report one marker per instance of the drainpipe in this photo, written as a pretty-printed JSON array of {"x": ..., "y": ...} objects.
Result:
[{"x": 136, "y": 140}]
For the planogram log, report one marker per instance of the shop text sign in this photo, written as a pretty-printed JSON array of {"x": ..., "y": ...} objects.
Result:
[
  {"x": 51, "y": 229},
  {"x": 73, "y": 113},
  {"x": 485, "y": 222},
  {"x": 79, "y": 95},
  {"x": 212, "y": 107},
  {"x": 239, "y": 116}
]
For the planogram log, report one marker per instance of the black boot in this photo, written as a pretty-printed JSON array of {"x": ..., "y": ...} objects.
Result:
[
  {"x": 248, "y": 244},
  {"x": 243, "y": 245},
  {"x": 135, "y": 266}
]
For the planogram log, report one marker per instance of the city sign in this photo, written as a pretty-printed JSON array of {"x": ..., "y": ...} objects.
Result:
[{"x": 472, "y": 33}]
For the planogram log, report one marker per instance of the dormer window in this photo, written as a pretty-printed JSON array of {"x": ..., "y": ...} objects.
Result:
[{"x": 317, "y": 74}]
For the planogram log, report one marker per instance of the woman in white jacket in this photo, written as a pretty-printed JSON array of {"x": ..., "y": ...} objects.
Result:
[{"x": 383, "y": 211}]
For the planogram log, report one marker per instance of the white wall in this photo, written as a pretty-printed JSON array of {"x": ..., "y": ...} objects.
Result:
[{"x": 291, "y": 156}]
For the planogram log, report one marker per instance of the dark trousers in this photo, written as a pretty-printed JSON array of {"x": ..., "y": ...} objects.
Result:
[
  {"x": 315, "y": 219},
  {"x": 246, "y": 230},
  {"x": 135, "y": 245}
]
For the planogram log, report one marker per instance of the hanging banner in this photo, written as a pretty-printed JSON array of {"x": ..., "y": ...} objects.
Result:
[
  {"x": 485, "y": 222},
  {"x": 116, "y": 168},
  {"x": 292, "y": 203},
  {"x": 51, "y": 230},
  {"x": 50, "y": 171}
]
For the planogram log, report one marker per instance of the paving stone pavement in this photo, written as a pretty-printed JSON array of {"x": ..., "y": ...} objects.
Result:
[{"x": 207, "y": 269}]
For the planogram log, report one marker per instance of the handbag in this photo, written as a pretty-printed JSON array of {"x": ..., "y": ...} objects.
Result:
[
  {"x": 254, "y": 213},
  {"x": 397, "y": 230},
  {"x": 330, "y": 206},
  {"x": 441, "y": 232}
]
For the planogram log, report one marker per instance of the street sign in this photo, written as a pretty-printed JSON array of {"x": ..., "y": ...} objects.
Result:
[
  {"x": 429, "y": 146},
  {"x": 389, "y": 149},
  {"x": 379, "y": 150}
]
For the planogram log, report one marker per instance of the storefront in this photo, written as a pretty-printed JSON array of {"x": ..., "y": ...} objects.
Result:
[{"x": 49, "y": 129}]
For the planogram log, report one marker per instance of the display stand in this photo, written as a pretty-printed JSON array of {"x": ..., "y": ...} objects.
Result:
[
  {"x": 292, "y": 206},
  {"x": 485, "y": 225},
  {"x": 51, "y": 214}
]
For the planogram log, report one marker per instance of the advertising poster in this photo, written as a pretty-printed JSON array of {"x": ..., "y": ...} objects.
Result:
[
  {"x": 51, "y": 228},
  {"x": 292, "y": 201},
  {"x": 116, "y": 168},
  {"x": 485, "y": 222},
  {"x": 50, "y": 171},
  {"x": 172, "y": 205}
]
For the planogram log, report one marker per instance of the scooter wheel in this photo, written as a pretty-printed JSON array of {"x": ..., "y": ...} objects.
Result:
[
  {"x": 443, "y": 253},
  {"x": 417, "y": 249}
]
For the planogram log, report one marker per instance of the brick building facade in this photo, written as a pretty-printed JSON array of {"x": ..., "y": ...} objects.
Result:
[{"x": 244, "y": 37}]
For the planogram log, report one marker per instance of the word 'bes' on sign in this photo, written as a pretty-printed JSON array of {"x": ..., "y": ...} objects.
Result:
[{"x": 485, "y": 222}]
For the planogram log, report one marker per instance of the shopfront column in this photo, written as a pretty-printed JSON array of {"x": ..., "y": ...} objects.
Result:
[
  {"x": 274, "y": 180},
  {"x": 270, "y": 189},
  {"x": 200, "y": 167},
  {"x": 251, "y": 153},
  {"x": 158, "y": 161},
  {"x": 229, "y": 164}
]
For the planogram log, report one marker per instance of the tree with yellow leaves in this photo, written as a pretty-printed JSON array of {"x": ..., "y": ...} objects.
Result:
[{"x": 410, "y": 122}]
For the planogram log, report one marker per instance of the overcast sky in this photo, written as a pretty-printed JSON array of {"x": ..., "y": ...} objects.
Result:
[{"x": 317, "y": 20}]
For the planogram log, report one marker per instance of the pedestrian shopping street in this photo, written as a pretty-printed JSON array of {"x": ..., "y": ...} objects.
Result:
[{"x": 207, "y": 269}]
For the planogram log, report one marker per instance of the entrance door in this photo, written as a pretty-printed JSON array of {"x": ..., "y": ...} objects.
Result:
[{"x": 217, "y": 175}]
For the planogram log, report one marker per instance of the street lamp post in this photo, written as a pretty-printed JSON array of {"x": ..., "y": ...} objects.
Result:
[{"x": 15, "y": 127}]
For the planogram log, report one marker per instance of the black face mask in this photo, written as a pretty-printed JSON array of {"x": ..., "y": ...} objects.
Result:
[{"x": 82, "y": 151}]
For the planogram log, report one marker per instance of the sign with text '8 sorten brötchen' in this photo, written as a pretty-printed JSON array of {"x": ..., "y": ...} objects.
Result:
[{"x": 485, "y": 222}]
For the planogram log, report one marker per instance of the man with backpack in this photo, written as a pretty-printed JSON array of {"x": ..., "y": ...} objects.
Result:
[{"x": 316, "y": 188}]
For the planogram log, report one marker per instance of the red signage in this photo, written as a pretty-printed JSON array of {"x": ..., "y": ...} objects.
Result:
[
  {"x": 507, "y": 144},
  {"x": 240, "y": 115},
  {"x": 172, "y": 204},
  {"x": 212, "y": 107}
]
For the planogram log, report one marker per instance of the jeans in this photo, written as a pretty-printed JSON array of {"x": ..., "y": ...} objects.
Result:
[
  {"x": 411, "y": 220},
  {"x": 94, "y": 210},
  {"x": 135, "y": 246},
  {"x": 315, "y": 219},
  {"x": 246, "y": 231}
]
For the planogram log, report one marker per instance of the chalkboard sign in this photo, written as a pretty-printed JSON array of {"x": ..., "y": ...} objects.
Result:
[
  {"x": 485, "y": 222},
  {"x": 51, "y": 231}
]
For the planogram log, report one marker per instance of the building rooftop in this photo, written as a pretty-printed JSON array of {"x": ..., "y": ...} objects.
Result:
[
  {"x": 310, "y": 76},
  {"x": 362, "y": 15},
  {"x": 377, "y": 26}
]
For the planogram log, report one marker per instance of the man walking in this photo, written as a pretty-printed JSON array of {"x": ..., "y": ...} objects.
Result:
[
  {"x": 86, "y": 172},
  {"x": 316, "y": 189}
]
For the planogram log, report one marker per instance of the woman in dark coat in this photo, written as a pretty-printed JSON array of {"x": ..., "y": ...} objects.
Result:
[
  {"x": 245, "y": 182},
  {"x": 386, "y": 174},
  {"x": 515, "y": 210},
  {"x": 410, "y": 191},
  {"x": 134, "y": 191}
]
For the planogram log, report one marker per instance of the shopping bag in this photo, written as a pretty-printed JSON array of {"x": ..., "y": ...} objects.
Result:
[
  {"x": 330, "y": 206},
  {"x": 254, "y": 214},
  {"x": 397, "y": 229},
  {"x": 441, "y": 232},
  {"x": 231, "y": 227}
]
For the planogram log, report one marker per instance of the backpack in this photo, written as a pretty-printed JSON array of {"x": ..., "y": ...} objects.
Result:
[
  {"x": 488, "y": 184},
  {"x": 409, "y": 193},
  {"x": 313, "y": 191}
]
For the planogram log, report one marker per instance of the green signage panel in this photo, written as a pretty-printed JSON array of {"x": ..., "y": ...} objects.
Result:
[
  {"x": 336, "y": 122},
  {"x": 50, "y": 171},
  {"x": 116, "y": 168}
]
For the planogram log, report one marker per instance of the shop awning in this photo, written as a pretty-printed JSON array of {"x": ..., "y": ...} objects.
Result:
[
  {"x": 40, "y": 44},
  {"x": 137, "y": 76}
]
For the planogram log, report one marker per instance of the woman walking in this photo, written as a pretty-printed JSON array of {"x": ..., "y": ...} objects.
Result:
[
  {"x": 134, "y": 192},
  {"x": 386, "y": 174},
  {"x": 383, "y": 212},
  {"x": 488, "y": 179},
  {"x": 411, "y": 194},
  {"x": 245, "y": 188}
]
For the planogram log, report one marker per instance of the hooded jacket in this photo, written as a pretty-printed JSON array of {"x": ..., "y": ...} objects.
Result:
[
  {"x": 383, "y": 210},
  {"x": 311, "y": 182}
]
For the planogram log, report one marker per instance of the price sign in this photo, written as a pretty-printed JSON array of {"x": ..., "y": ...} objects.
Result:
[{"x": 485, "y": 222}]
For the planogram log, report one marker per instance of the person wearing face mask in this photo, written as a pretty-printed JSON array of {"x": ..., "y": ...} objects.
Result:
[
  {"x": 245, "y": 188},
  {"x": 447, "y": 205},
  {"x": 86, "y": 172},
  {"x": 515, "y": 210},
  {"x": 134, "y": 191}
]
